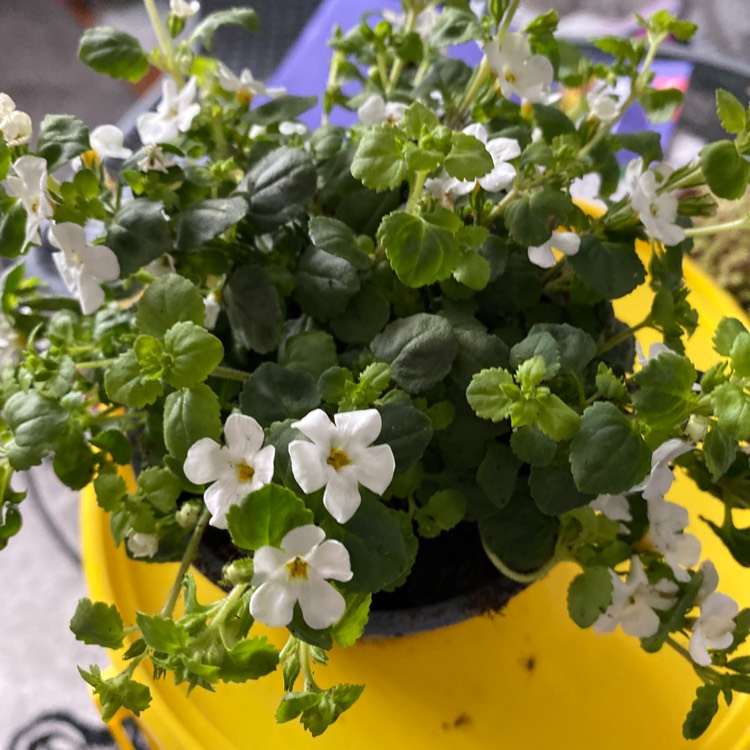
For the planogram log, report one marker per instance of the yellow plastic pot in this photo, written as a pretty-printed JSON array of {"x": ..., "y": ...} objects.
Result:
[{"x": 525, "y": 679}]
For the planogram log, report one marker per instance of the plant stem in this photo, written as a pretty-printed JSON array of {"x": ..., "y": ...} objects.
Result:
[
  {"x": 622, "y": 336},
  {"x": 398, "y": 63},
  {"x": 497, "y": 211},
  {"x": 165, "y": 45},
  {"x": 230, "y": 373},
  {"x": 480, "y": 75},
  {"x": 187, "y": 558},
  {"x": 416, "y": 191},
  {"x": 382, "y": 70},
  {"x": 729, "y": 226},
  {"x": 304, "y": 659},
  {"x": 95, "y": 363},
  {"x": 228, "y": 603}
]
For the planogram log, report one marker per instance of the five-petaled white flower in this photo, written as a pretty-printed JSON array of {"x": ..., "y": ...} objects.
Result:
[
  {"x": 714, "y": 627},
  {"x": 143, "y": 545},
  {"x": 657, "y": 211},
  {"x": 174, "y": 114},
  {"x": 30, "y": 185},
  {"x": 666, "y": 526},
  {"x": 245, "y": 87},
  {"x": 635, "y": 601},
  {"x": 568, "y": 243},
  {"x": 375, "y": 110},
  {"x": 235, "y": 470},
  {"x": 184, "y": 8},
  {"x": 297, "y": 573},
  {"x": 83, "y": 267},
  {"x": 107, "y": 142},
  {"x": 518, "y": 70},
  {"x": 340, "y": 458},
  {"x": 14, "y": 124}
]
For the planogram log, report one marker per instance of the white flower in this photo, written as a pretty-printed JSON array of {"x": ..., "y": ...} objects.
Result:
[
  {"x": 297, "y": 573},
  {"x": 154, "y": 159},
  {"x": 654, "y": 352},
  {"x": 604, "y": 104},
  {"x": 213, "y": 308},
  {"x": 635, "y": 601},
  {"x": 245, "y": 87},
  {"x": 7, "y": 105},
  {"x": 657, "y": 211},
  {"x": 236, "y": 470},
  {"x": 660, "y": 479},
  {"x": 30, "y": 185},
  {"x": 588, "y": 189},
  {"x": 340, "y": 458},
  {"x": 567, "y": 243},
  {"x": 375, "y": 110},
  {"x": 714, "y": 627},
  {"x": 173, "y": 116},
  {"x": 710, "y": 580},
  {"x": 614, "y": 507},
  {"x": 107, "y": 142},
  {"x": 425, "y": 24},
  {"x": 518, "y": 70},
  {"x": 143, "y": 545},
  {"x": 289, "y": 127},
  {"x": 83, "y": 267},
  {"x": 16, "y": 128},
  {"x": 666, "y": 525},
  {"x": 184, "y": 8},
  {"x": 161, "y": 266}
]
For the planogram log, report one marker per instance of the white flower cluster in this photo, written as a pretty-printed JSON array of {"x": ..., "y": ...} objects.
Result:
[
  {"x": 338, "y": 457},
  {"x": 15, "y": 125},
  {"x": 636, "y": 600}
]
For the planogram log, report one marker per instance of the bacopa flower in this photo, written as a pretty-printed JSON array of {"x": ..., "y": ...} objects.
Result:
[
  {"x": 297, "y": 573},
  {"x": 14, "y": 124},
  {"x": 666, "y": 526},
  {"x": 657, "y": 211},
  {"x": 83, "y": 267},
  {"x": 340, "y": 458},
  {"x": 107, "y": 143},
  {"x": 174, "y": 114},
  {"x": 568, "y": 243},
  {"x": 143, "y": 545},
  {"x": 375, "y": 110},
  {"x": 656, "y": 485},
  {"x": 714, "y": 627},
  {"x": 635, "y": 602},
  {"x": 614, "y": 507},
  {"x": 184, "y": 8},
  {"x": 29, "y": 183},
  {"x": 235, "y": 470},
  {"x": 518, "y": 70},
  {"x": 154, "y": 159},
  {"x": 245, "y": 87}
]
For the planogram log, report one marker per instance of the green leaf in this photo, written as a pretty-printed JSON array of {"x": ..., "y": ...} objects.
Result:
[
  {"x": 195, "y": 354},
  {"x": 491, "y": 393},
  {"x": 335, "y": 237},
  {"x": 608, "y": 455},
  {"x": 139, "y": 234},
  {"x": 12, "y": 227},
  {"x": 115, "y": 443},
  {"x": 455, "y": 26},
  {"x": 253, "y": 308},
  {"x": 204, "y": 32},
  {"x": 189, "y": 415},
  {"x": 125, "y": 383},
  {"x": 265, "y": 516},
  {"x": 250, "y": 659},
  {"x": 443, "y": 510},
  {"x": 326, "y": 283},
  {"x": 532, "y": 446},
  {"x": 645, "y": 143},
  {"x": 162, "y": 633},
  {"x": 74, "y": 460},
  {"x": 420, "y": 252},
  {"x": 731, "y": 112},
  {"x": 609, "y": 385},
  {"x": 719, "y": 451},
  {"x": 477, "y": 350},
  {"x": 468, "y": 158},
  {"x": 530, "y": 221},
  {"x": 162, "y": 488},
  {"x": 330, "y": 705},
  {"x": 279, "y": 187},
  {"x": 113, "y": 53},
  {"x": 61, "y": 138},
  {"x": 538, "y": 344},
  {"x": 611, "y": 268},
  {"x": 275, "y": 393},
  {"x": 575, "y": 347},
  {"x": 553, "y": 488},
  {"x": 149, "y": 353},
  {"x": 293, "y": 704},
  {"x": 498, "y": 473},
  {"x": 312, "y": 352},
  {"x": 703, "y": 710},
  {"x": 726, "y": 333},
  {"x": 5, "y": 159},
  {"x": 418, "y": 120},
  {"x": 110, "y": 491},
  {"x": 664, "y": 394},
  {"x": 168, "y": 300},
  {"x": 520, "y": 535},
  {"x": 207, "y": 219},
  {"x": 351, "y": 627},
  {"x": 732, "y": 408},
  {"x": 725, "y": 169},
  {"x": 420, "y": 350},
  {"x": 280, "y": 109},
  {"x": 98, "y": 624},
  {"x": 379, "y": 161},
  {"x": 661, "y": 104},
  {"x": 589, "y": 594},
  {"x": 117, "y": 692},
  {"x": 736, "y": 540},
  {"x": 407, "y": 431},
  {"x": 555, "y": 418},
  {"x": 365, "y": 315},
  {"x": 378, "y": 544},
  {"x": 740, "y": 355}
]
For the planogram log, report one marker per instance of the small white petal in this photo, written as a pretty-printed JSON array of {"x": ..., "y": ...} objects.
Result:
[
  {"x": 359, "y": 427},
  {"x": 299, "y": 541},
  {"x": 542, "y": 256},
  {"x": 309, "y": 466},
  {"x": 316, "y": 425},
  {"x": 206, "y": 461},
  {"x": 243, "y": 436},
  {"x": 321, "y": 604},
  {"x": 375, "y": 468},
  {"x": 331, "y": 559},
  {"x": 267, "y": 562},
  {"x": 272, "y": 604},
  {"x": 341, "y": 497}
]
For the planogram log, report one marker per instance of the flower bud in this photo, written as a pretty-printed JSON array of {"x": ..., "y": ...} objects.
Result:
[
  {"x": 187, "y": 515},
  {"x": 239, "y": 571},
  {"x": 696, "y": 428}
]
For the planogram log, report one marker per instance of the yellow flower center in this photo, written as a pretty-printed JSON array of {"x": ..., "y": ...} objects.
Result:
[
  {"x": 245, "y": 472},
  {"x": 337, "y": 458},
  {"x": 297, "y": 568},
  {"x": 244, "y": 97},
  {"x": 509, "y": 75},
  {"x": 89, "y": 159}
]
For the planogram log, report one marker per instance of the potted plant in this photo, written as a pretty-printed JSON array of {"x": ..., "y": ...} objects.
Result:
[{"x": 370, "y": 366}]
